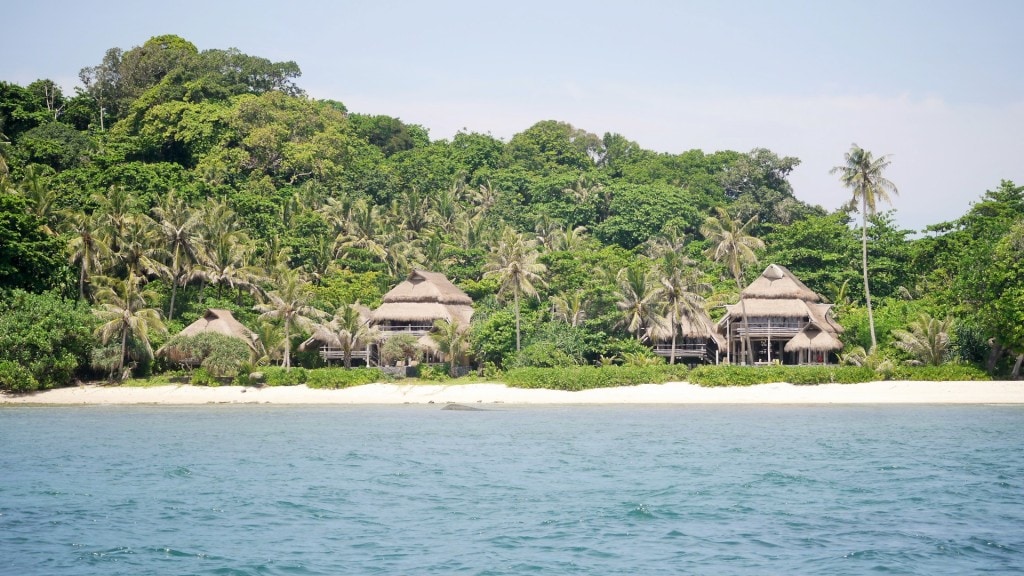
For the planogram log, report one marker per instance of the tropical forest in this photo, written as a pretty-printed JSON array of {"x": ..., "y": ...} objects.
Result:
[{"x": 174, "y": 181}]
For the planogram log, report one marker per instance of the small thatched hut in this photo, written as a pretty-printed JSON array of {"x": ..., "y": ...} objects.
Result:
[
  {"x": 697, "y": 340},
  {"x": 328, "y": 339},
  {"x": 787, "y": 321},
  {"x": 215, "y": 320}
]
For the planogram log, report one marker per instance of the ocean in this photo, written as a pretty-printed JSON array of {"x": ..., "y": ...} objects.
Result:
[{"x": 296, "y": 490}]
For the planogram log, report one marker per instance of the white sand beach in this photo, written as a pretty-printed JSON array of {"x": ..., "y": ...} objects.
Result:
[{"x": 897, "y": 392}]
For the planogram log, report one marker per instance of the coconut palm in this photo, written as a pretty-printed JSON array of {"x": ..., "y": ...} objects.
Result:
[
  {"x": 862, "y": 173},
  {"x": 682, "y": 295},
  {"x": 179, "y": 226},
  {"x": 570, "y": 308},
  {"x": 733, "y": 245},
  {"x": 87, "y": 246},
  {"x": 140, "y": 248},
  {"x": 453, "y": 341},
  {"x": 346, "y": 330},
  {"x": 928, "y": 340},
  {"x": 42, "y": 197},
  {"x": 514, "y": 263},
  {"x": 116, "y": 208},
  {"x": 289, "y": 304},
  {"x": 639, "y": 297},
  {"x": 125, "y": 312}
]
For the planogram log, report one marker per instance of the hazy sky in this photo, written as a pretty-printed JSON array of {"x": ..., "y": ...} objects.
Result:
[{"x": 937, "y": 85}]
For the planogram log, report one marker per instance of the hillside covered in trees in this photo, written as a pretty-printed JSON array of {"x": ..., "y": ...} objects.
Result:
[{"x": 176, "y": 180}]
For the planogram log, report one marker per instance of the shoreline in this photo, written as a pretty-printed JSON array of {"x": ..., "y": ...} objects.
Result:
[{"x": 672, "y": 393}]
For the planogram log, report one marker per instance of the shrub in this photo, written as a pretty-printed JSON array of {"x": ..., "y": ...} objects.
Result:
[
  {"x": 277, "y": 376},
  {"x": 727, "y": 375},
  {"x": 221, "y": 355},
  {"x": 588, "y": 377},
  {"x": 435, "y": 372},
  {"x": 46, "y": 335},
  {"x": 15, "y": 378},
  {"x": 201, "y": 377},
  {"x": 343, "y": 377},
  {"x": 541, "y": 355},
  {"x": 944, "y": 373}
]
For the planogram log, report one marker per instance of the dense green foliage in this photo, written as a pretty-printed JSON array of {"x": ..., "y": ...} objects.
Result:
[
  {"x": 44, "y": 340},
  {"x": 587, "y": 377},
  {"x": 343, "y": 378},
  {"x": 178, "y": 179},
  {"x": 220, "y": 355},
  {"x": 751, "y": 375}
]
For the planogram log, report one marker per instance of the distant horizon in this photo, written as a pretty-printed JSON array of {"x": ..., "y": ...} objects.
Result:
[{"x": 938, "y": 87}]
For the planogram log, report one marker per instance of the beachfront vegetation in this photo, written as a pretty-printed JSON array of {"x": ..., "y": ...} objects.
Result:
[{"x": 176, "y": 180}]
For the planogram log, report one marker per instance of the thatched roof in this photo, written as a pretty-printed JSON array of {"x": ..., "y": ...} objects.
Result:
[
  {"x": 423, "y": 286},
  {"x": 813, "y": 339},
  {"x": 220, "y": 321},
  {"x": 776, "y": 282},
  {"x": 425, "y": 297},
  {"x": 777, "y": 308},
  {"x": 323, "y": 335},
  {"x": 699, "y": 327}
]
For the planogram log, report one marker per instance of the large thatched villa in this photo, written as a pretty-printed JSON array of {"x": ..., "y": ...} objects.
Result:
[
  {"x": 217, "y": 321},
  {"x": 410, "y": 308},
  {"x": 786, "y": 320}
]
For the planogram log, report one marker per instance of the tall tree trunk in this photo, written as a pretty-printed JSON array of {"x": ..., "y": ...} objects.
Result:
[
  {"x": 748, "y": 351},
  {"x": 672, "y": 353},
  {"x": 1015, "y": 375},
  {"x": 995, "y": 353},
  {"x": 124, "y": 351},
  {"x": 287, "y": 347},
  {"x": 516, "y": 297},
  {"x": 81, "y": 282},
  {"x": 174, "y": 283},
  {"x": 864, "y": 262}
]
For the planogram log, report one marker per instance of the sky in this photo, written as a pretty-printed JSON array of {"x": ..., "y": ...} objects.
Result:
[{"x": 938, "y": 85}]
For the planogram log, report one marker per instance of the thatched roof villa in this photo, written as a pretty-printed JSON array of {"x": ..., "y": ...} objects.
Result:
[
  {"x": 411, "y": 308},
  {"x": 787, "y": 321},
  {"x": 414, "y": 305}
]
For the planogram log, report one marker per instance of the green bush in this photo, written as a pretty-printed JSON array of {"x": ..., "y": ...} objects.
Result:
[
  {"x": 343, "y": 377},
  {"x": 46, "y": 335},
  {"x": 727, "y": 375},
  {"x": 201, "y": 377},
  {"x": 588, "y": 377},
  {"x": 750, "y": 375},
  {"x": 15, "y": 378},
  {"x": 435, "y": 372},
  {"x": 277, "y": 376},
  {"x": 541, "y": 355},
  {"x": 221, "y": 355},
  {"x": 943, "y": 373}
]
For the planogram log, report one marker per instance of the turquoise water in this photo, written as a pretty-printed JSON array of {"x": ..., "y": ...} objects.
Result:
[{"x": 226, "y": 490}]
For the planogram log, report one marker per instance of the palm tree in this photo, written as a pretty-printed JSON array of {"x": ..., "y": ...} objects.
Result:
[
  {"x": 862, "y": 173},
  {"x": 179, "y": 225},
  {"x": 346, "y": 330},
  {"x": 453, "y": 341},
  {"x": 927, "y": 340},
  {"x": 639, "y": 297},
  {"x": 116, "y": 207},
  {"x": 140, "y": 248},
  {"x": 35, "y": 187},
  {"x": 514, "y": 264},
  {"x": 87, "y": 246},
  {"x": 125, "y": 314},
  {"x": 571, "y": 309},
  {"x": 289, "y": 304},
  {"x": 733, "y": 244},
  {"x": 682, "y": 294}
]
